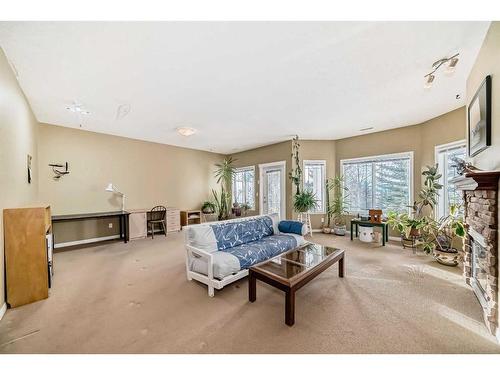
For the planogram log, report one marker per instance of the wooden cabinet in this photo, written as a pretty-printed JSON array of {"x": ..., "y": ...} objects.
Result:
[
  {"x": 26, "y": 258},
  {"x": 173, "y": 220},
  {"x": 190, "y": 217}
]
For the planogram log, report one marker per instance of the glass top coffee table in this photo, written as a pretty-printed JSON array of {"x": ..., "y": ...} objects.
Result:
[{"x": 292, "y": 270}]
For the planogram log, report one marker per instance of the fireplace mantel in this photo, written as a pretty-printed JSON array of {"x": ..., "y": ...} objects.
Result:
[{"x": 487, "y": 180}]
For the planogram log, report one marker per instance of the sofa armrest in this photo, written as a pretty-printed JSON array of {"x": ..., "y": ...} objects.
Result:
[{"x": 193, "y": 252}]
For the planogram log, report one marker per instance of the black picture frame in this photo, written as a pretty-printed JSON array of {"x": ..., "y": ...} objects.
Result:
[{"x": 481, "y": 130}]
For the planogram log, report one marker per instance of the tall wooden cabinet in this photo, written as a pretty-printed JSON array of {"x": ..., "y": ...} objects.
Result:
[{"x": 26, "y": 258}]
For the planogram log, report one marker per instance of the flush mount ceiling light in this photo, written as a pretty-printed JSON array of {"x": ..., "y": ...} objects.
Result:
[
  {"x": 79, "y": 111},
  {"x": 186, "y": 131},
  {"x": 451, "y": 65}
]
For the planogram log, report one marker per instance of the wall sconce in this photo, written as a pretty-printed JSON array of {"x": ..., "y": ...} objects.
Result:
[{"x": 57, "y": 172}]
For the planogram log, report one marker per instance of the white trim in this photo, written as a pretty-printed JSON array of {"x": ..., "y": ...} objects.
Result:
[
  {"x": 81, "y": 242},
  {"x": 438, "y": 212},
  {"x": 378, "y": 157},
  {"x": 244, "y": 169},
  {"x": 283, "y": 185},
  {"x": 3, "y": 310},
  {"x": 407, "y": 154},
  {"x": 323, "y": 164}
]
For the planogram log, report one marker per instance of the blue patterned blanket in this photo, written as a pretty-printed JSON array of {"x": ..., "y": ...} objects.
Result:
[
  {"x": 232, "y": 234},
  {"x": 255, "y": 252}
]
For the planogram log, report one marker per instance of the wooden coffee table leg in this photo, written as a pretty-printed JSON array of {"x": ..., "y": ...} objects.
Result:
[
  {"x": 290, "y": 307},
  {"x": 252, "y": 287},
  {"x": 341, "y": 267}
]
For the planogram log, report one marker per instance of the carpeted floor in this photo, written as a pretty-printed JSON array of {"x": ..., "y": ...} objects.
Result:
[{"x": 134, "y": 298}]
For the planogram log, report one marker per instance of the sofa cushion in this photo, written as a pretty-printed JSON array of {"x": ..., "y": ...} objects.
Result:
[
  {"x": 234, "y": 233},
  {"x": 258, "y": 251},
  {"x": 290, "y": 226},
  {"x": 201, "y": 237}
]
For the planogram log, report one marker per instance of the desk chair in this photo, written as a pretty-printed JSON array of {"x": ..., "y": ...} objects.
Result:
[{"x": 157, "y": 216}]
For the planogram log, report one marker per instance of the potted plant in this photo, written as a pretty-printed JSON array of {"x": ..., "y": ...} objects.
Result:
[
  {"x": 208, "y": 207},
  {"x": 245, "y": 207},
  {"x": 337, "y": 208},
  {"x": 304, "y": 201},
  {"x": 296, "y": 174},
  {"x": 410, "y": 226},
  {"x": 224, "y": 173},
  {"x": 439, "y": 236}
]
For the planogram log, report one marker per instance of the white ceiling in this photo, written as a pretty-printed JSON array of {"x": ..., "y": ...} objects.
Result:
[{"x": 240, "y": 84}]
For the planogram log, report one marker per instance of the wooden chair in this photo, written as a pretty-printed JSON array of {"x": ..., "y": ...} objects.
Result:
[{"x": 157, "y": 216}]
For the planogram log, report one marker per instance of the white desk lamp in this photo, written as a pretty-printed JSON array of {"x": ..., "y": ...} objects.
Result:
[{"x": 112, "y": 189}]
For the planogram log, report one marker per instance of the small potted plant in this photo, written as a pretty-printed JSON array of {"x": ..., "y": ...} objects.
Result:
[
  {"x": 245, "y": 207},
  {"x": 208, "y": 207},
  {"x": 337, "y": 208}
]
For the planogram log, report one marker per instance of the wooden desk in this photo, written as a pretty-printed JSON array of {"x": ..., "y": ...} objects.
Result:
[
  {"x": 122, "y": 215},
  {"x": 385, "y": 230}
]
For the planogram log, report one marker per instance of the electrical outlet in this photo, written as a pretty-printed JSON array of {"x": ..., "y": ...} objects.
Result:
[
  {"x": 322, "y": 219},
  {"x": 110, "y": 225}
]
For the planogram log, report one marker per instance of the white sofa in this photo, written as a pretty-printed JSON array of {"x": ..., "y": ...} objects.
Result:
[{"x": 219, "y": 253}]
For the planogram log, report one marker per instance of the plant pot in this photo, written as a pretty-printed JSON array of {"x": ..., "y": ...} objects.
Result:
[
  {"x": 339, "y": 230},
  {"x": 447, "y": 256},
  {"x": 208, "y": 212},
  {"x": 327, "y": 230},
  {"x": 414, "y": 232}
]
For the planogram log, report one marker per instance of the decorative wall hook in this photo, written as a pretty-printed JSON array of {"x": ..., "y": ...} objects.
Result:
[{"x": 57, "y": 172}]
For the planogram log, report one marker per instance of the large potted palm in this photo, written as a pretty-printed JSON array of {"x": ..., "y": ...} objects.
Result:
[
  {"x": 338, "y": 207},
  {"x": 224, "y": 173}
]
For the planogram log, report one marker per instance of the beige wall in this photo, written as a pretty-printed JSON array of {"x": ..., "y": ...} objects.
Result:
[
  {"x": 148, "y": 173},
  {"x": 267, "y": 154},
  {"x": 488, "y": 63},
  {"x": 421, "y": 139},
  {"x": 18, "y": 138}
]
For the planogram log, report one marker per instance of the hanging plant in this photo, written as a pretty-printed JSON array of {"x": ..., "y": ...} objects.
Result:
[{"x": 296, "y": 174}]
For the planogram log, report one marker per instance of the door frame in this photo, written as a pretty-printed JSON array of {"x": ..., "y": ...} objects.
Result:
[{"x": 283, "y": 185}]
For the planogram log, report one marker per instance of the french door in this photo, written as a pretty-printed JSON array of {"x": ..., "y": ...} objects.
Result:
[{"x": 272, "y": 189}]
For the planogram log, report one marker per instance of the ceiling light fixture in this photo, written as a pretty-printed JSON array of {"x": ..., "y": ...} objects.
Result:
[
  {"x": 79, "y": 111},
  {"x": 451, "y": 65},
  {"x": 186, "y": 131}
]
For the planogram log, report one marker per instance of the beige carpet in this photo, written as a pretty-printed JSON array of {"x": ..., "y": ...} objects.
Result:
[{"x": 134, "y": 298}]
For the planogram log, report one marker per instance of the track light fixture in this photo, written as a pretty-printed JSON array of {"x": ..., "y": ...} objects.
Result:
[{"x": 451, "y": 64}]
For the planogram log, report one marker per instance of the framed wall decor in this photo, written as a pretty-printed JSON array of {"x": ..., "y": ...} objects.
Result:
[{"x": 479, "y": 119}]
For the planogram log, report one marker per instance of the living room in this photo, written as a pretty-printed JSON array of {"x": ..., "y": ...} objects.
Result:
[{"x": 305, "y": 185}]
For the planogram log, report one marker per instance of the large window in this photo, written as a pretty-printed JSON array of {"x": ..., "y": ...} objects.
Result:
[
  {"x": 314, "y": 180},
  {"x": 448, "y": 194},
  {"x": 244, "y": 186},
  {"x": 383, "y": 182}
]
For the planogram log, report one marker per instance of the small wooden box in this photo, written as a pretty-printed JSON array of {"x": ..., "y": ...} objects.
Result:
[{"x": 375, "y": 216}]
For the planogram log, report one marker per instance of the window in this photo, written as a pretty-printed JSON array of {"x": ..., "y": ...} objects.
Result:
[
  {"x": 244, "y": 186},
  {"x": 314, "y": 180},
  {"x": 383, "y": 182},
  {"x": 448, "y": 194}
]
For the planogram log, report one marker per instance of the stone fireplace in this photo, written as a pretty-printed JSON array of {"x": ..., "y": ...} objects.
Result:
[{"x": 480, "y": 191}]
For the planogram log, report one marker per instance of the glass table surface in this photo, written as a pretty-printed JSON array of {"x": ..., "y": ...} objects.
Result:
[{"x": 296, "y": 261}]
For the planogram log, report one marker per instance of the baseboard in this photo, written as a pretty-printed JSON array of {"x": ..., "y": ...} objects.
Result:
[
  {"x": 348, "y": 233},
  {"x": 83, "y": 242},
  {"x": 3, "y": 310}
]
